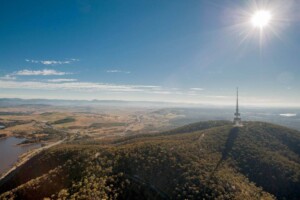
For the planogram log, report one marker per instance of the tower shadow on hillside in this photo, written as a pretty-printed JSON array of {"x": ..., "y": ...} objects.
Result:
[
  {"x": 228, "y": 147},
  {"x": 230, "y": 142}
]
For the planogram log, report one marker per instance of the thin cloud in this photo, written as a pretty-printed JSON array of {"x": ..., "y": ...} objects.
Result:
[
  {"x": 61, "y": 80},
  {"x": 85, "y": 86},
  {"x": 52, "y": 62},
  {"x": 74, "y": 85},
  {"x": 8, "y": 77},
  {"x": 118, "y": 71},
  {"x": 74, "y": 59},
  {"x": 219, "y": 97},
  {"x": 67, "y": 84},
  {"x": 161, "y": 92},
  {"x": 44, "y": 72},
  {"x": 196, "y": 89},
  {"x": 288, "y": 115}
]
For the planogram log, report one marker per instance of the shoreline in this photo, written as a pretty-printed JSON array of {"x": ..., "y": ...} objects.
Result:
[
  {"x": 23, "y": 158},
  {"x": 21, "y": 144}
]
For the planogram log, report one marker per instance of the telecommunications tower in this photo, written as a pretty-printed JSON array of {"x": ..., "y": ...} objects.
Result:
[{"x": 237, "y": 121}]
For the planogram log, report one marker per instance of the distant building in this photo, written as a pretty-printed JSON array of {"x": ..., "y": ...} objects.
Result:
[{"x": 237, "y": 121}]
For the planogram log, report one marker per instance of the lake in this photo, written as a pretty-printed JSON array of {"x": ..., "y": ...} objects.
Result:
[{"x": 9, "y": 152}]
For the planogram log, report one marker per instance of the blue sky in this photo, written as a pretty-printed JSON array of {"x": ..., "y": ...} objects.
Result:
[{"x": 181, "y": 51}]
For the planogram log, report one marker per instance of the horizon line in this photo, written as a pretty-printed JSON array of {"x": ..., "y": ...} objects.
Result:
[{"x": 193, "y": 104}]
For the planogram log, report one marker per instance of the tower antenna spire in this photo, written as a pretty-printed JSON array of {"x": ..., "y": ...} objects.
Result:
[
  {"x": 237, "y": 121},
  {"x": 237, "y": 100}
]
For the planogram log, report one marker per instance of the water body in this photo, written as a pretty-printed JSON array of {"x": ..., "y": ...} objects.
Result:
[
  {"x": 2, "y": 127},
  {"x": 9, "y": 152}
]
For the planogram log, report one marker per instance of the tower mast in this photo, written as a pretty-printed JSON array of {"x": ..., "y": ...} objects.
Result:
[
  {"x": 237, "y": 101},
  {"x": 237, "y": 119}
]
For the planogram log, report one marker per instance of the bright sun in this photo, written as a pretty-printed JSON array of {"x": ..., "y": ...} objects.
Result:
[{"x": 261, "y": 18}]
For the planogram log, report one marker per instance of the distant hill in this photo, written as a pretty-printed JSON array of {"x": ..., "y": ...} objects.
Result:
[
  {"x": 207, "y": 160},
  {"x": 6, "y": 102}
]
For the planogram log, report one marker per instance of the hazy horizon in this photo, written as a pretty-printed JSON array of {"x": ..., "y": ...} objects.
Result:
[{"x": 162, "y": 104}]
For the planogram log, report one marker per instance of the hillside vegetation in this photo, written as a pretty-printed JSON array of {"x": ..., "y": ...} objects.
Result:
[
  {"x": 65, "y": 120},
  {"x": 206, "y": 160}
]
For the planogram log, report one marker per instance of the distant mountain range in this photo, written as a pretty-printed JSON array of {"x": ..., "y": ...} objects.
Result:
[
  {"x": 55, "y": 102},
  {"x": 188, "y": 113},
  {"x": 205, "y": 160}
]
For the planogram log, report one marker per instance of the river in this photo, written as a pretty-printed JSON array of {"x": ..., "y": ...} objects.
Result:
[{"x": 9, "y": 151}]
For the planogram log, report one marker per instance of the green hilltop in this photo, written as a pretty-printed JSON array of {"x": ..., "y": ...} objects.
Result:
[{"x": 205, "y": 160}]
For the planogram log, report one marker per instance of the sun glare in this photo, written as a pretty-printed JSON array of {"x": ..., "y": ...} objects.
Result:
[{"x": 261, "y": 18}]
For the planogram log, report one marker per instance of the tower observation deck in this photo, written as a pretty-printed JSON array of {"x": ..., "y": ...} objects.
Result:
[{"x": 237, "y": 121}]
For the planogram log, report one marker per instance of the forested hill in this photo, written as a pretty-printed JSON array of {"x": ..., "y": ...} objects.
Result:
[{"x": 207, "y": 160}]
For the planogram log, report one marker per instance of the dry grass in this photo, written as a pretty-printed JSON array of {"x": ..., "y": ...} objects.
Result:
[{"x": 126, "y": 120}]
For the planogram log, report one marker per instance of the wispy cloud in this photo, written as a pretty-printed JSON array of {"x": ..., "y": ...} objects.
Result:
[
  {"x": 8, "y": 77},
  {"x": 83, "y": 86},
  {"x": 161, "y": 92},
  {"x": 92, "y": 90},
  {"x": 61, "y": 80},
  {"x": 72, "y": 84},
  {"x": 44, "y": 72},
  {"x": 288, "y": 115},
  {"x": 95, "y": 88},
  {"x": 117, "y": 71},
  {"x": 196, "y": 89},
  {"x": 52, "y": 62},
  {"x": 219, "y": 97}
]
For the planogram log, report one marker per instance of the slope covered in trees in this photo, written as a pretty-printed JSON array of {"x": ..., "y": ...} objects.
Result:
[{"x": 207, "y": 160}]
